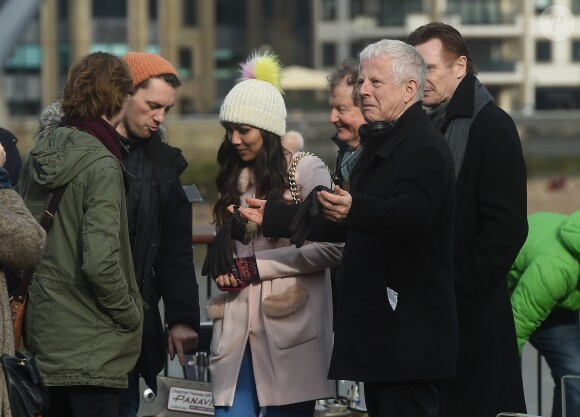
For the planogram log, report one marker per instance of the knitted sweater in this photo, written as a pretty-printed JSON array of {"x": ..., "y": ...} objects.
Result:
[{"x": 22, "y": 244}]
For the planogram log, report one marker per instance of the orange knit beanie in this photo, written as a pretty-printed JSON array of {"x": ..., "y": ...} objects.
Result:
[{"x": 144, "y": 65}]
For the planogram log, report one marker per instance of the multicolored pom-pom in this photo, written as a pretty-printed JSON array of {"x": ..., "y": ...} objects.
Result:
[{"x": 263, "y": 66}]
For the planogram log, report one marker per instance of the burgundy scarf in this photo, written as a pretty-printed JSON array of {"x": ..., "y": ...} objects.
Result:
[{"x": 103, "y": 131}]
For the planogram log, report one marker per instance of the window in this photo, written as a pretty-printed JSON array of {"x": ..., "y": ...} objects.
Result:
[
  {"x": 110, "y": 8},
  {"x": 230, "y": 13},
  {"x": 357, "y": 46},
  {"x": 226, "y": 63},
  {"x": 189, "y": 8},
  {"x": 64, "y": 56},
  {"x": 63, "y": 9},
  {"x": 328, "y": 9},
  {"x": 554, "y": 98},
  {"x": 540, "y": 5},
  {"x": 576, "y": 51},
  {"x": 118, "y": 49},
  {"x": 25, "y": 58},
  {"x": 488, "y": 56},
  {"x": 543, "y": 51},
  {"x": 394, "y": 13},
  {"x": 185, "y": 63},
  {"x": 187, "y": 105},
  {"x": 357, "y": 8},
  {"x": 483, "y": 11},
  {"x": 268, "y": 9},
  {"x": 329, "y": 54}
]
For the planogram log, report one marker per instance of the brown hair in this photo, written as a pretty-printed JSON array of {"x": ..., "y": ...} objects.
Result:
[
  {"x": 453, "y": 43},
  {"x": 347, "y": 68},
  {"x": 96, "y": 85},
  {"x": 170, "y": 79}
]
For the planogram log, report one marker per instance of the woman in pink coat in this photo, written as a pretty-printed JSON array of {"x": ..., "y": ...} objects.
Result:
[{"x": 272, "y": 333}]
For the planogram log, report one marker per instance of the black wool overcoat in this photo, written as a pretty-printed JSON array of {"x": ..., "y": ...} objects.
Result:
[
  {"x": 398, "y": 236},
  {"x": 490, "y": 228}
]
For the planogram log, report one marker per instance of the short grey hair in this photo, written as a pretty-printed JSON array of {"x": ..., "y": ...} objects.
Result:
[{"x": 408, "y": 64}]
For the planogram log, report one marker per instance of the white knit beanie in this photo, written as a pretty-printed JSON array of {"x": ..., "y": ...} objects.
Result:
[{"x": 257, "y": 99}]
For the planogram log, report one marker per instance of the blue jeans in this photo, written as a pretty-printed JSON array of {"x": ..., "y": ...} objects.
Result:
[
  {"x": 246, "y": 398},
  {"x": 558, "y": 340},
  {"x": 129, "y": 397}
]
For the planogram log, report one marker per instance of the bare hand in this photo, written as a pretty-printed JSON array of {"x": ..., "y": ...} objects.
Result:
[
  {"x": 255, "y": 211},
  {"x": 182, "y": 339},
  {"x": 2, "y": 156},
  {"x": 335, "y": 206},
  {"x": 224, "y": 281}
]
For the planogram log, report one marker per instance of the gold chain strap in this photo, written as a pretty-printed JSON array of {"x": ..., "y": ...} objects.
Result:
[{"x": 292, "y": 175}]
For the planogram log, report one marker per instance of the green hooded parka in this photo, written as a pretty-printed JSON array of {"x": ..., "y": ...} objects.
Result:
[{"x": 83, "y": 323}]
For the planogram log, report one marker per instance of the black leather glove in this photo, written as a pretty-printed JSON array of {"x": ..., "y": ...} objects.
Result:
[
  {"x": 243, "y": 230},
  {"x": 219, "y": 256},
  {"x": 219, "y": 253},
  {"x": 309, "y": 209}
]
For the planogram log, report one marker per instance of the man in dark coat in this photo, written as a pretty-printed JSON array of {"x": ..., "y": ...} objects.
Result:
[
  {"x": 396, "y": 320},
  {"x": 490, "y": 225},
  {"x": 159, "y": 224}
]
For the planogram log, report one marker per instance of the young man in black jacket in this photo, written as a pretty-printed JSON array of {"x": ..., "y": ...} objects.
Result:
[{"x": 159, "y": 224}]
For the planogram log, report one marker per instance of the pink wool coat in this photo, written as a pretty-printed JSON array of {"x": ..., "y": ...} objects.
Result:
[{"x": 286, "y": 319}]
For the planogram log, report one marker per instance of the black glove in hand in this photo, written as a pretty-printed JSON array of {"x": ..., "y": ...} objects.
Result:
[
  {"x": 219, "y": 253},
  {"x": 309, "y": 209},
  {"x": 245, "y": 271},
  {"x": 243, "y": 230},
  {"x": 219, "y": 256}
]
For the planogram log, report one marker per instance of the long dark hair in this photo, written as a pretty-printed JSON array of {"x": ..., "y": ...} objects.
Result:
[{"x": 270, "y": 170}]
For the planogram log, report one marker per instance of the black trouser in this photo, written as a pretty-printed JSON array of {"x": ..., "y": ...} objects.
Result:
[
  {"x": 402, "y": 399},
  {"x": 83, "y": 401}
]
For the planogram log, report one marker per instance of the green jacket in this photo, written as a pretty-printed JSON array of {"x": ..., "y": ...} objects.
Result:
[
  {"x": 83, "y": 322},
  {"x": 545, "y": 275}
]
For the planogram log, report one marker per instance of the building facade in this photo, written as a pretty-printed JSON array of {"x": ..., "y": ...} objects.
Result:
[
  {"x": 65, "y": 30},
  {"x": 204, "y": 39},
  {"x": 525, "y": 65}
]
